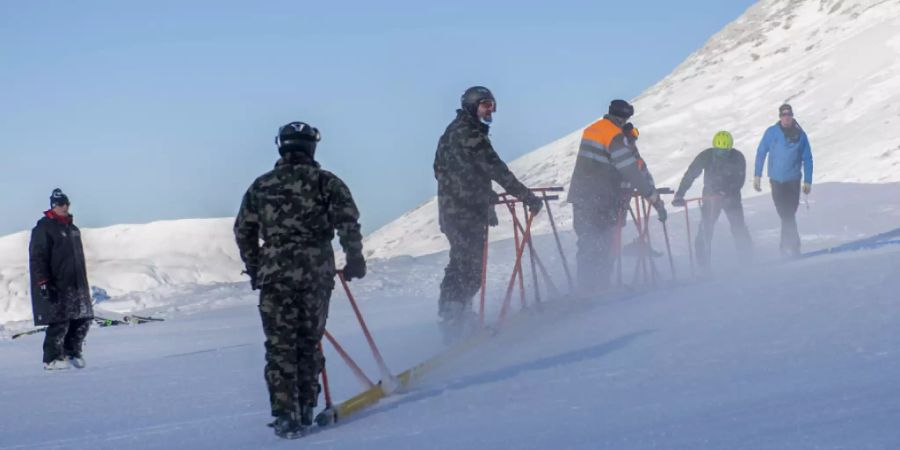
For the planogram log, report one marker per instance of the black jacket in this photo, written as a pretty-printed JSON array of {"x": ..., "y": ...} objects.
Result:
[
  {"x": 56, "y": 258},
  {"x": 724, "y": 172}
]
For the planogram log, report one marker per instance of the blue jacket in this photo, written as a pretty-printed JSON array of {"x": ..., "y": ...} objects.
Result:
[{"x": 785, "y": 155}]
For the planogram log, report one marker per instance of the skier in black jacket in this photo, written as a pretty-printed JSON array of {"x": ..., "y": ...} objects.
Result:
[
  {"x": 724, "y": 169},
  {"x": 60, "y": 295}
]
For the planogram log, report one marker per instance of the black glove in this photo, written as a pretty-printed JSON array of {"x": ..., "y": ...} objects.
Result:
[
  {"x": 46, "y": 294},
  {"x": 678, "y": 201},
  {"x": 534, "y": 204},
  {"x": 661, "y": 213},
  {"x": 492, "y": 217},
  {"x": 355, "y": 267},
  {"x": 251, "y": 271}
]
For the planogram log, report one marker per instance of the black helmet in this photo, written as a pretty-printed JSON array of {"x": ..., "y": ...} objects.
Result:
[
  {"x": 475, "y": 95},
  {"x": 621, "y": 108},
  {"x": 297, "y": 136}
]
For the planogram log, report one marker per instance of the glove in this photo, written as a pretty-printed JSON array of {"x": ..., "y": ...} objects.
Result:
[
  {"x": 492, "y": 217},
  {"x": 534, "y": 204},
  {"x": 251, "y": 271},
  {"x": 757, "y": 184},
  {"x": 46, "y": 294},
  {"x": 660, "y": 207},
  {"x": 807, "y": 188},
  {"x": 661, "y": 213},
  {"x": 355, "y": 267},
  {"x": 678, "y": 201}
]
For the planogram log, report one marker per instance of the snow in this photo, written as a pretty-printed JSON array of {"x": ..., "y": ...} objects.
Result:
[
  {"x": 771, "y": 355},
  {"x": 836, "y": 62},
  {"x": 125, "y": 259},
  {"x": 765, "y": 355}
]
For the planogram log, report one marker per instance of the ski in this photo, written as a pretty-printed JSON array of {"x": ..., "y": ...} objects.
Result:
[
  {"x": 104, "y": 322},
  {"x": 29, "y": 332},
  {"x": 141, "y": 319}
]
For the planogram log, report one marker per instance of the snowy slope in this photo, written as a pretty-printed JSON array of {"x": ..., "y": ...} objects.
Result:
[
  {"x": 798, "y": 355},
  {"x": 131, "y": 258},
  {"x": 836, "y": 61},
  {"x": 840, "y": 68}
]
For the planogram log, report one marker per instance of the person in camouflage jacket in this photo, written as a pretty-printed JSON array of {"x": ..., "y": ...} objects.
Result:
[
  {"x": 295, "y": 210},
  {"x": 465, "y": 164}
]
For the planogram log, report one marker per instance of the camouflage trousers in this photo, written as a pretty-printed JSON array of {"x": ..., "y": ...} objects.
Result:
[
  {"x": 596, "y": 231},
  {"x": 294, "y": 322},
  {"x": 65, "y": 338},
  {"x": 462, "y": 276}
]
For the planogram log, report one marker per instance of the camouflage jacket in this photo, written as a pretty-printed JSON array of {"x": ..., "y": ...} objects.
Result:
[
  {"x": 295, "y": 209},
  {"x": 464, "y": 165}
]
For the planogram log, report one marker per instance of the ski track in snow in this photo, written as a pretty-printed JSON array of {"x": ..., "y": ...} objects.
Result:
[{"x": 766, "y": 356}]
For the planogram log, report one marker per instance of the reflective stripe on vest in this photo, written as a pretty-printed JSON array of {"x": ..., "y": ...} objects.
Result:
[{"x": 595, "y": 141}]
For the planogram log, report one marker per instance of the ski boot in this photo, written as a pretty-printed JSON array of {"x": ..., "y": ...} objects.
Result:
[
  {"x": 77, "y": 361},
  {"x": 58, "y": 364},
  {"x": 286, "y": 426},
  {"x": 327, "y": 417},
  {"x": 457, "y": 327},
  {"x": 306, "y": 415}
]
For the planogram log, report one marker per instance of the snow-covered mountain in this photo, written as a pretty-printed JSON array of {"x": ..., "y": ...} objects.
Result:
[
  {"x": 131, "y": 258},
  {"x": 836, "y": 61}
]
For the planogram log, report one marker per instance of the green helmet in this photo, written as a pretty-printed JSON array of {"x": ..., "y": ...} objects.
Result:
[{"x": 723, "y": 140}]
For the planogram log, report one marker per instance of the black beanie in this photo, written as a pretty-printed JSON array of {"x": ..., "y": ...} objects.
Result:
[
  {"x": 58, "y": 198},
  {"x": 621, "y": 108},
  {"x": 785, "y": 108}
]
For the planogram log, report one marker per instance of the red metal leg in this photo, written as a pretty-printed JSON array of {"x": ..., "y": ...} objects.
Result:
[
  {"x": 362, "y": 323},
  {"x": 350, "y": 362}
]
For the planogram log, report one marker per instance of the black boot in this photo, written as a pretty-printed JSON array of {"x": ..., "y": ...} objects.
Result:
[
  {"x": 286, "y": 426},
  {"x": 306, "y": 415}
]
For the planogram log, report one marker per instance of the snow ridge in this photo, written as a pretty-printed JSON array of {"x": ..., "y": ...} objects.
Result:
[{"x": 836, "y": 62}]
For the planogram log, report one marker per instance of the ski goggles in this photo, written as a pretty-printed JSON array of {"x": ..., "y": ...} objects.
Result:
[{"x": 490, "y": 104}]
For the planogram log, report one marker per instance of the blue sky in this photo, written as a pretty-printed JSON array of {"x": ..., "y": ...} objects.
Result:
[{"x": 165, "y": 110}]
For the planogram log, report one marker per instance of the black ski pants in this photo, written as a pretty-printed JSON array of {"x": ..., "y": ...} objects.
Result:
[
  {"x": 734, "y": 211},
  {"x": 787, "y": 198},
  {"x": 462, "y": 276},
  {"x": 596, "y": 230},
  {"x": 66, "y": 338}
]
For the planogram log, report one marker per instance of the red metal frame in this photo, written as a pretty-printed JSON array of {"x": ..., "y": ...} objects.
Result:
[
  {"x": 325, "y": 387},
  {"x": 362, "y": 323},
  {"x": 521, "y": 239},
  {"x": 360, "y": 375},
  {"x": 687, "y": 222}
]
